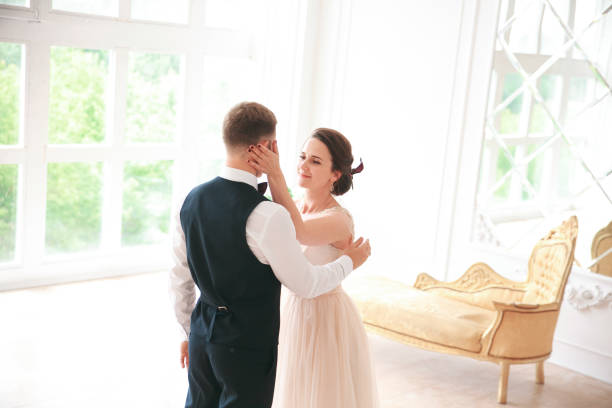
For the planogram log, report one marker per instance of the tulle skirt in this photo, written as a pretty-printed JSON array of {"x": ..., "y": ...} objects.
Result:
[{"x": 324, "y": 357}]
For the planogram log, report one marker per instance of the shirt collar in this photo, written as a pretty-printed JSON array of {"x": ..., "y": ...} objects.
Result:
[{"x": 241, "y": 176}]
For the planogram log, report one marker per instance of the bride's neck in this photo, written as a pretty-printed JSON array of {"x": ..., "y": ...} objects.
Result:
[{"x": 316, "y": 201}]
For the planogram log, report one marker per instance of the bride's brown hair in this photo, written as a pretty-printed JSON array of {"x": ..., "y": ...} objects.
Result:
[{"x": 342, "y": 157}]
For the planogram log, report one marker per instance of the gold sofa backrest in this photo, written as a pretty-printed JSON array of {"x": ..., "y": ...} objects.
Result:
[
  {"x": 550, "y": 264},
  {"x": 601, "y": 243}
]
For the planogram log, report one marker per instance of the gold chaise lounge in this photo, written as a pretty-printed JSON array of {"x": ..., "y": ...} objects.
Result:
[{"x": 482, "y": 314}]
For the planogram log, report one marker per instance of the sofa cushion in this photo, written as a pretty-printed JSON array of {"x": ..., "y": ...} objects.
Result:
[{"x": 412, "y": 312}]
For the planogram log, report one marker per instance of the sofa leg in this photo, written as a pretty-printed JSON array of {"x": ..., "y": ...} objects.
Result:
[
  {"x": 502, "y": 391},
  {"x": 540, "y": 372}
]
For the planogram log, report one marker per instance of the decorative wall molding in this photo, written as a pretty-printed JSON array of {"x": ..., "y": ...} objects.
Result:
[{"x": 585, "y": 296}]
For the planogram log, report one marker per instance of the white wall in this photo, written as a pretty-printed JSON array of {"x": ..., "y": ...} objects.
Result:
[
  {"x": 384, "y": 75},
  {"x": 583, "y": 339}
]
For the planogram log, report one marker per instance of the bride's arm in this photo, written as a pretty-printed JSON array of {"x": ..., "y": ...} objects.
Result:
[{"x": 325, "y": 229}]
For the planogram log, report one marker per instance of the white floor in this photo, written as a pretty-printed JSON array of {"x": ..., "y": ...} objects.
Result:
[{"x": 114, "y": 343}]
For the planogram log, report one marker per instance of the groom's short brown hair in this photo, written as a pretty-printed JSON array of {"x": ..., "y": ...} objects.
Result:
[{"x": 246, "y": 123}]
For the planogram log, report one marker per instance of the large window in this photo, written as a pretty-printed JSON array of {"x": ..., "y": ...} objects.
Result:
[
  {"x": 547, "y": 144},
  {"x": 100, "y": 136}
]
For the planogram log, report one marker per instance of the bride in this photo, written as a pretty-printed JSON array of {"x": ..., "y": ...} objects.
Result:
[{"x": 324, "y": 359}]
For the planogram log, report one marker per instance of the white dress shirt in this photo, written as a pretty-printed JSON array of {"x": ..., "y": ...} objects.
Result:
[{"x": 271, "y": 236}]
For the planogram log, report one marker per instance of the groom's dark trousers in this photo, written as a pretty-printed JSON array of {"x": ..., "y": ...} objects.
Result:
[
  {"x": 234, "y": 325},
  {"x": 221, "y": 376}
]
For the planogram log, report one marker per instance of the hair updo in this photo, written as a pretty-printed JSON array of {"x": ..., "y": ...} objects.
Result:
[{"x": 342, "y": 157}]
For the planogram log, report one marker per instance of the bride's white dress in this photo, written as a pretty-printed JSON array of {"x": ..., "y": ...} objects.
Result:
[{"x": 323, "y": 357}]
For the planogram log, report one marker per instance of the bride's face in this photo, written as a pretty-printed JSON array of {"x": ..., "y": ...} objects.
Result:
[{"x": 315, "y": 166}]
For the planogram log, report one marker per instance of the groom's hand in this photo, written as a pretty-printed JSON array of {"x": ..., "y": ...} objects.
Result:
[
  {"x": 185, "y": 354},
  {"x": 358, "y": 251}
]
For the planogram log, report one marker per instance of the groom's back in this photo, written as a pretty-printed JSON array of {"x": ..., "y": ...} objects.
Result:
[{"x": 239, "y": 302}]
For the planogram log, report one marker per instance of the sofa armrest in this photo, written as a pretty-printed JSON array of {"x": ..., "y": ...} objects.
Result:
[
  {"x": 480, "y": 285},
  {"x": 522, "y": 331}
]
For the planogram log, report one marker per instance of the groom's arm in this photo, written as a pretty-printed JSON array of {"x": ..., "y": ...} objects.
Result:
[
  {"x": 276, "y": 243},
  {"x": 181, "y": 284}
]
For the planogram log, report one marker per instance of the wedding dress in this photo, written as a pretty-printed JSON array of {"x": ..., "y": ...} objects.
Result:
[{"x": 324, "y": 357}]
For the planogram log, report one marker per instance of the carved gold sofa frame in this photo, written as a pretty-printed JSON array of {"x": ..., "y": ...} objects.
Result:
[
  {"x": 481, "y": 315},
  {"x": 602, "y": 242}
]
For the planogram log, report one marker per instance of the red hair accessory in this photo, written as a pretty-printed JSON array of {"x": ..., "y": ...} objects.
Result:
[{"x": 359, "y": 168}]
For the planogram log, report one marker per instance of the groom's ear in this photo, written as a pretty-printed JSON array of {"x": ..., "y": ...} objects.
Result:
[
  {"x": 267, "y": 140},
  {"x": 267, "y": 143}
]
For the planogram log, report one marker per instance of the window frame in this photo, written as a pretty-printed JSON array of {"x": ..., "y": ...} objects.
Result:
[
  {"x": 568, "y": 65},
  {"x": 193, "y": 41},
  {"x": 565, "y": 67}
]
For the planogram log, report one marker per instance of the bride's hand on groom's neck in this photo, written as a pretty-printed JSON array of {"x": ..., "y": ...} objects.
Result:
[{"x": 265, "y": 160}]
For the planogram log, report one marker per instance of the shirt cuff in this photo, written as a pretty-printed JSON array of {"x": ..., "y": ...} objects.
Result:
[{"x": 347, "y": 264}]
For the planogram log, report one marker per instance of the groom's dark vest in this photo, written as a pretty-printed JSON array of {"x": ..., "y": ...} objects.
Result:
[{"x": 240, "y": 296}]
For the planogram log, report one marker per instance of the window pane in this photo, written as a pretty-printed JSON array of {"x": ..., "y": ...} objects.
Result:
[
  {"x": 227, "y": 82},
  {"x": 580, "y": 93},
  {"x": 594, "y": 38},
  {"x": 100, "y": 7},
  {"x": 23, "y": 3},
  {"x": 572, "y": 176},
  {"x": 535, "y": 170},
  {"x": 210, "y": 167},
  {"x": 553, "y": 35},
  {"x": 509, "y": 117},
  {"x": 234, "y": 14},
  {"x": 77, "y": 106},
  {"x": 8, "y": 210},
  {"x": 74, "y": 207},
  {"x": 549, "y": 88},
  {"x": 524, "y": 31},
  {"x": 153, "y": 91},
  {"x": 176, "y": 11},
  {"x": 586, "y": 10},
  {"x": 10, "y": 84},
  {"x": 147, "y": 192},
  {"x": 503, "y": 167}
]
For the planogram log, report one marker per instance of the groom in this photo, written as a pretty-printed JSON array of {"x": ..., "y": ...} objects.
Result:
[{"x": 238, "y": 248}]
